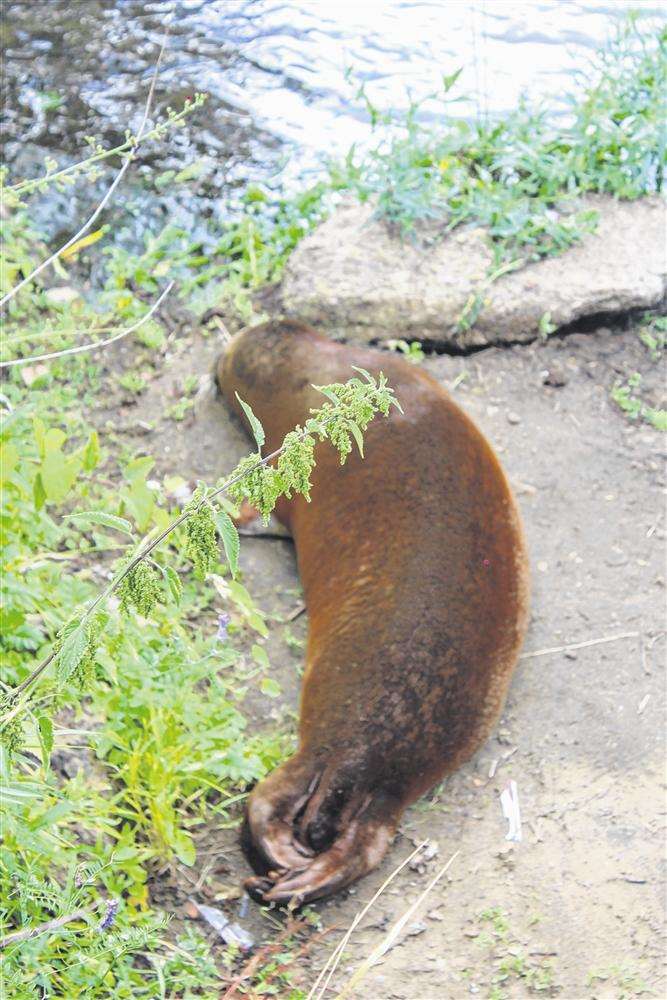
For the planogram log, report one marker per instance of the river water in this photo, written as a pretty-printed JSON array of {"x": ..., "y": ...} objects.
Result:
[{"x": 283, "y": 79}]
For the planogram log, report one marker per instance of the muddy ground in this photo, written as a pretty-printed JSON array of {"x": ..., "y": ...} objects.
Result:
[{"x": 576, "y": 908}]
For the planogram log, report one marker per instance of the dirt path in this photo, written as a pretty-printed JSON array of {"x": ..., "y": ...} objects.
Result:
[{"x": 575, "y": 909}]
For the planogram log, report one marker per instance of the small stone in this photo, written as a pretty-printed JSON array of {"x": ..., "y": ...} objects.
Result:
[
  {"x": 554, "y": 377},
  {"x": 513, "y": 418},
  {"x": 570, "y": 654},
  {"x": 61, "y": 296}
]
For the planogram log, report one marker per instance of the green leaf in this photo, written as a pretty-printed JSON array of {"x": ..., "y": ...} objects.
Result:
[
  {"x": 141, "y": 502},
  {"x": 260, "y": 656},
  {"x": 9, "y": 458},
  {"x": 91, "y": 454},
  {"x": 191, "y": 172},
  {"x": 108, "y": 520},
  {"x": 45, "y": 732},
  {"x": 257, "y": 429},
  {"x": 357, "y": 435},
  {"x": 184, "y": 848},
  {"x": 329, "y": 393},
  {"x": 39, "y": 431},
  {"x": 138, "y": 468},
  {"x": 57, "y": 472},
  {"x": 173, "y": 582},
  {"x": 270, "y": 687},
  {"x": 230, "y": 540},
  {"x": 38, "y": 492},
  {"x": 71, "y": 654},
  {"x": 53, "y": 440},
  {"x": 448, "y": 81},
  {"x": 256, "y": 621},
  {"x": 243, "y": 600}
]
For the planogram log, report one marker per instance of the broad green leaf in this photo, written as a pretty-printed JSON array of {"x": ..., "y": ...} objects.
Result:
[
  {"x": 9, "y": 458},
  {"x": 58, "y": 472},
  {"x": 257, "y": 429},
  {"x": 260, "y": 657},
  {"x": 54, "y": 439},
  {"x": 270, "y": 687},
  {"x": 141, "y": 502},
  {"x": 230, "y": 540},
  {"x": 108, "y": 520},
  {"x": 243, "y": 600},
  {"x": 138, "y": 468},
  {"x": 71, "y": 654},
  {"x": 256, "y": 621}
]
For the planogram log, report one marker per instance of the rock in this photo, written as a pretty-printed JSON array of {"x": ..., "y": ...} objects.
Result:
[
  {"x": 554, "y": 376},
  {"x": 62, "y": 295},
  {"x": 513, "y": 418},
  {"x": 356, "y": 280}
]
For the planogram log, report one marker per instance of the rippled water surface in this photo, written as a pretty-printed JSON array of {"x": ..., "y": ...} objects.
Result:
[{"x": 283, "y": 78}]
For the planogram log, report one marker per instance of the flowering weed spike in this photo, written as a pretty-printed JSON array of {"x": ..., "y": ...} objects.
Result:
[
  {"x": 140, "y": 588},
  {"x": 296, "y": 463},
  {"x": 202, "y": 536}
]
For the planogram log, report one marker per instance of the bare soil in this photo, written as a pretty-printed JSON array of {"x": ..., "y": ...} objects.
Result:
[{"x": 576, "y": 909}]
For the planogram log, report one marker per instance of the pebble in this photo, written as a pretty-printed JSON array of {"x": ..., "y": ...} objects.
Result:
[{"x": 513, "y": 418}]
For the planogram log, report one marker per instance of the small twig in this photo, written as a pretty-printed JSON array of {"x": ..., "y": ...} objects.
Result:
[
  {"x": 28, "y": 933},
  {"x": 580, "y": 645},
  {"x": 296, "y": 613},
  {"x": 98, "y": 343},
  {"x": 107, "y": 197},
  {"x": 251, "y": 965}
]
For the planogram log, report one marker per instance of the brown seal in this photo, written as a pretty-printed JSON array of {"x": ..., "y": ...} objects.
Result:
[{"x": 414, "y": 571}]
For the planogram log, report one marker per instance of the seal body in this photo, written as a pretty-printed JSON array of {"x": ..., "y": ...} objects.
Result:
[{"x": 414, "y": 570}]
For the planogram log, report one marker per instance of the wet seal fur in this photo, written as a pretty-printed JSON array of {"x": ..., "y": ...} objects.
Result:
[{"x": 414, "y": 570}]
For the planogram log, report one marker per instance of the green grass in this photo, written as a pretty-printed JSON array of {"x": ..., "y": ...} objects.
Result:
[{"x": 519, "y": 176}]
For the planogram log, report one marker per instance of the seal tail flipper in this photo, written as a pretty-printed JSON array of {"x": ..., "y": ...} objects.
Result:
[{"x": 359, "y": 848}]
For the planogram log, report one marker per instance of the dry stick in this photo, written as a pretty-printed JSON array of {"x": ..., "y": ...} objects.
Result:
[
  {"x": 96, "y": 344},
  {"x": 252, "y": 964},
  {"x": 28, "y": 933},
  {"x": 105, "y": 200},
  {"x": 393, "y": 933},
  {"x": 580, "y": 645},
  {"x": 338, "y": 950}
]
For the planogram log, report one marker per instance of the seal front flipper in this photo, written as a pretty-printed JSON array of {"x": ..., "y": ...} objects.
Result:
[{"x": 360, "y": 847}]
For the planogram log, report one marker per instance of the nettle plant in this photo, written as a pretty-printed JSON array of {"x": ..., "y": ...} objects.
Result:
[{"x": 139, "y": 581}]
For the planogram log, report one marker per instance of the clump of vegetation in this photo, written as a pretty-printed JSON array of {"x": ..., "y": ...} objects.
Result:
[
  {"x": 511, "y": 963},
  {"x": 626, "y": 396},
  {"x": 519, "y": 177}
]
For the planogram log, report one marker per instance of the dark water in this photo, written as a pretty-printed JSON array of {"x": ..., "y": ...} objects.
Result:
[{"x": 282, "y": 79}]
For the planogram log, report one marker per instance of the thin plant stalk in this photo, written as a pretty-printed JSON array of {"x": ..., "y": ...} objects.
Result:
[
  {"x": 107, "y": 197},
  {"x": 95, "y": 345}
]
